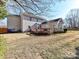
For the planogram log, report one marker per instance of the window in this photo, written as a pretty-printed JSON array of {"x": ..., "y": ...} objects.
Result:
[
  {"x": 26, "y": 18},
  {"x": 34, "y": 19},
  {"x": 30, "y": 19},
  {"x": 39, "y": 20}
]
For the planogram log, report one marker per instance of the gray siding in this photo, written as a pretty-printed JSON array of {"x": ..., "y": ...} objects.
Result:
[{"x": 14, "y": 22}]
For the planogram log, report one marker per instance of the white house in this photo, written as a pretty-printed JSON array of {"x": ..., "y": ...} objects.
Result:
[
  {"x": 58, "y": 25},
  {"x": 29, "y": 20},
  {"x": 16, "y": 23}
]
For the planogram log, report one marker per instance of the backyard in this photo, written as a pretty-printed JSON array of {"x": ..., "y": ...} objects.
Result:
[
  {"x": 39, "y": 16},
  {"x": 55, "y": 46}
]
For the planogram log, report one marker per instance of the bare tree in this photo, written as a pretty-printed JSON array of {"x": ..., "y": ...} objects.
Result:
[
  {"x": 73, "y": 18},
  {"x": 36, "y": 7}
]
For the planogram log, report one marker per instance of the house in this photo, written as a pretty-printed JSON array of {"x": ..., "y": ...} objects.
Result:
[
  {"x": 20, "y": 23},
  {"x": 57, "y": 25},
  {"x": 29, "y": 20},
  {"x": 48, "y": 27}
]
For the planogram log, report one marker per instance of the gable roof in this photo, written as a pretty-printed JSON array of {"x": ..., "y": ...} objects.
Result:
[
  {"x": 55, "y": 20},
  {"x": 34, "y": 16}
]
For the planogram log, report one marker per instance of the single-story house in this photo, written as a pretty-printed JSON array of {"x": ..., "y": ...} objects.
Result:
[
  {"x": 57, "y": 24},
  {"x": 48, "y": 27},
  {"x": 16, "y": 23},
  {"x": 51, "y": 26}
]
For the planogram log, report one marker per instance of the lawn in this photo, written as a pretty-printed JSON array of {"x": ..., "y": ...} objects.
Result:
[
  {"x": 55, "y": 46},
  {"x": 2, "y": 47}
]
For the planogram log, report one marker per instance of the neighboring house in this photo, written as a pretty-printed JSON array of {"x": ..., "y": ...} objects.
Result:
[
  {"x": 48, "y": 27},
  {"x": 16, "y": 23},
  {"x": 29, "y": 20},
  {"x": 58, "y": 24}
]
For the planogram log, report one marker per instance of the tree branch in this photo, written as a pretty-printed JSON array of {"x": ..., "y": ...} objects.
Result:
[
  {"x": 36, "y": 5},
  {"x": 25, "y": 6}
]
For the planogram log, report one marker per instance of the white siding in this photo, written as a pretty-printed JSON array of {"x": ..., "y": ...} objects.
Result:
[
  {"x": 26, "y": 23},
  {"x": 34, "y": 19},
  {"x": 59, "y": 26}
]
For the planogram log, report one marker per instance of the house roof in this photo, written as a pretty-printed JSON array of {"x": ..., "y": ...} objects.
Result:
[
  {"x": 55, "y": 20},
  {"x": 34, "y": 16}
]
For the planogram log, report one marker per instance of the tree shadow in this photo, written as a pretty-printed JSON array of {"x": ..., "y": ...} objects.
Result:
[{"x": 77, "y": 54}]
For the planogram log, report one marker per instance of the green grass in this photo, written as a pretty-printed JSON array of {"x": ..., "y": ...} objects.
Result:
[{"x": 2, "y": 47}]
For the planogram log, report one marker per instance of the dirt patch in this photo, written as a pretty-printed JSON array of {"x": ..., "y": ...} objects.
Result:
[{"x": 11, "y": 37}]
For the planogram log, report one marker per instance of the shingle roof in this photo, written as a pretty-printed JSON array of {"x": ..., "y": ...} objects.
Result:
[
  {"x": 55, "y": 20},
  {"x": 34, "y": 16}
]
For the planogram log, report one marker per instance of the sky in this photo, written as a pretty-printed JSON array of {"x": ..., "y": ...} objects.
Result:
[
  {"x": 3, "y": 22},
  {"x": 62, "y": 9}
]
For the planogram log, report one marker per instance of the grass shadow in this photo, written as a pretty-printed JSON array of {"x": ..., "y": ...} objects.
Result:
[{"x": 77, "y": 54}]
